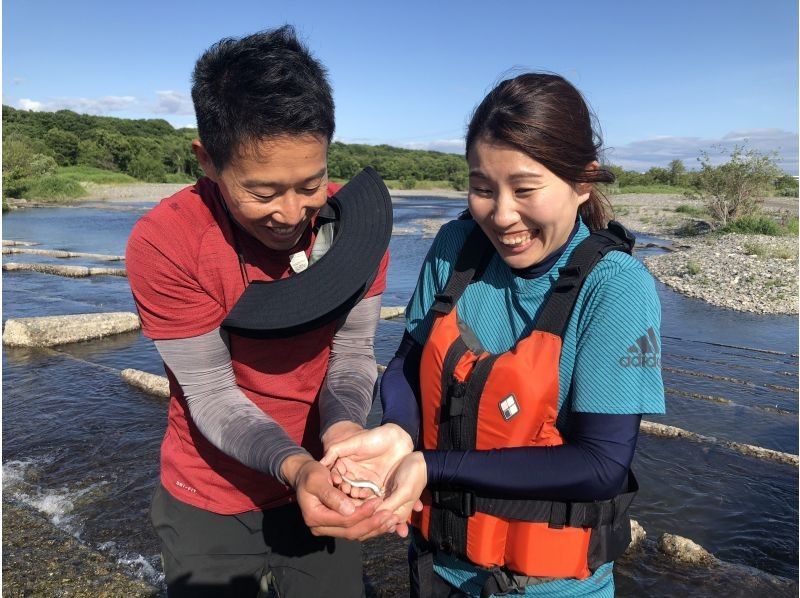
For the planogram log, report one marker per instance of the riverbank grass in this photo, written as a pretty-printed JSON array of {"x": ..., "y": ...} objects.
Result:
[{"x": 90, "y": 174}]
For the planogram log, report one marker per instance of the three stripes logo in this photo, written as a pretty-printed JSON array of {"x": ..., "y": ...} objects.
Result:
[{"x": 644, "y": 353}]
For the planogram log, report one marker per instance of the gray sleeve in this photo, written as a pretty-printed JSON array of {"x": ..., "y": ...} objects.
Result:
[
  {"x": 222, "y": 412},
  {"x": 348, "y": 388}
]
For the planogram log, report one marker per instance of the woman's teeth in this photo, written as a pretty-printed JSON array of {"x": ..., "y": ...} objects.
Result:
[{"x": 516, "y": 239}]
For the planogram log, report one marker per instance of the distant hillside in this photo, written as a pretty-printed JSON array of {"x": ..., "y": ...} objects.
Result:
[{"x": 152, "y": 150}]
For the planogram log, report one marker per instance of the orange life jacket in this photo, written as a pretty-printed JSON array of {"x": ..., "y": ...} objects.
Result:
[{"x": 472, "y": 399}]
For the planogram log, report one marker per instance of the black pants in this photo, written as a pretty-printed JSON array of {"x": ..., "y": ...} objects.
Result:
[{"x": 206, "y": 554}]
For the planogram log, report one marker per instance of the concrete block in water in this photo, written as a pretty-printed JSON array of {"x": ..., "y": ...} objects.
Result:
[
  {"x": 59, "y": 253},
  {"x": 389, "y": 312},
  {"x": 759, "y": 452},
  {"x": 14, "y": 243},
  {"x": 149, "y": 383},
  {"x": 59, "y": 270},
  {"x": 58, "y": 330},
  {"x": 684, "y": 550}
]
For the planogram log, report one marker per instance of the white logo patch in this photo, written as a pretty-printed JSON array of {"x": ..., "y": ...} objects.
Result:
[{"x": 509, "y": 407}]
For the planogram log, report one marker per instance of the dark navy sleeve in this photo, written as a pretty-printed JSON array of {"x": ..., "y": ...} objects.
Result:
[
  {"x": 400, "y": 387},
  {"x": 591, "y": 465}
]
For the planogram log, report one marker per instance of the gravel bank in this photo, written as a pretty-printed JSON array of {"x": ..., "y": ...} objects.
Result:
[
  {"x": 753, "y": 273},
  {"x": 41, "y": 560}
]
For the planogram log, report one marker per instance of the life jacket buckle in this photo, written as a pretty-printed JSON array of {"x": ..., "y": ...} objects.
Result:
[
  {"x": 455, "y": 398},
  {"x": 460, "y": 502},
  {"x": 443, "y": 303}
]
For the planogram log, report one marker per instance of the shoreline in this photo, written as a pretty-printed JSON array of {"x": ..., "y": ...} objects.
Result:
[{"x": 752, "y": 273}]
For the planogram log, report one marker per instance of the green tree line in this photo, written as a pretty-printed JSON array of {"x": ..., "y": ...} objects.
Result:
[{"x": 46, "y": 154}]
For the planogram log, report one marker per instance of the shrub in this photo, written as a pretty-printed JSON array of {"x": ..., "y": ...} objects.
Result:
[
  {"x": 784, "y": 253},
  {"x": 408, "y": 183},
  {"x": 53, "y": 187},
  {"x": 733, "y": 189},
  {"x": 691, "y": 210},
  {"x": 693, "y": 268},
  {"x": 41, "y": 166},
  {"x": 754, "y": 225},
  {"x": 791, "y": 226},
  {"x": 755, "y": 249}
]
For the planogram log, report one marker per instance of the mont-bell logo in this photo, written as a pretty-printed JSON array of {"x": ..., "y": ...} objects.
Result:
[
  {"x": 644, "y": 353},
  {"x": 509, "y": 407}
]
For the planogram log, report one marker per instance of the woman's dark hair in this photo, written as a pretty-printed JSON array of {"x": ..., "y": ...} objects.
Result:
[
  {"x": 264, "y": 85},
  {"x": 545, "y": 117}
]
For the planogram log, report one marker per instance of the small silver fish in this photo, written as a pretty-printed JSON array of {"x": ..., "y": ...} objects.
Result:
[{"x": 363, "y": 484}]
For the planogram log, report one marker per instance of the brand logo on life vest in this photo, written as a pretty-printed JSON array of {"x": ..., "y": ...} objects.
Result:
[
  {"x": 644, "y": 353},
  {"x": 509, "y": 407}
]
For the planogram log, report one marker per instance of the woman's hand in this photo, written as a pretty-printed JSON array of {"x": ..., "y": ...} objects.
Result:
[
  {"x": 370, "y": 455},
  {"x": 403, "y": 489}
]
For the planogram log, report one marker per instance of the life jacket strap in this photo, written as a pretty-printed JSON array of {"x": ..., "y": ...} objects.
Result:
[
  {"x": 472, "y": 260},
  {"x": 557, "y": 514},
  {"x": 556, "y": 312},
  {"x": 502, "y": 582}
]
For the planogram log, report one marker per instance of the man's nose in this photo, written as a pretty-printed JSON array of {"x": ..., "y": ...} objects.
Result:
[{"x": 292, "y": 208}]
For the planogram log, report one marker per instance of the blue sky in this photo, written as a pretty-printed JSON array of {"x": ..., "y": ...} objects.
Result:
[{"x": 665, "y": 79}]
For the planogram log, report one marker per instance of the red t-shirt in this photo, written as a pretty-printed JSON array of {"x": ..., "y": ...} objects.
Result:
[{"x": 185, "y": 277}]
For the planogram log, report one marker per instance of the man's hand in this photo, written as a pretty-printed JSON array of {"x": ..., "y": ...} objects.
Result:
[
  {"x": 369, "y": 455},
  {"x": 326, "y": 510}
]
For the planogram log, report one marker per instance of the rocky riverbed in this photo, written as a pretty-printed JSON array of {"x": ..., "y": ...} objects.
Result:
[
  {"x": 753, "y": 273},
  {"x": 39, "y": 559}
]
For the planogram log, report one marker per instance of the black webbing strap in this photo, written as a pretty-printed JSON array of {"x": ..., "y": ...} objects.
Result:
[
  {"x": 555, "y": 513},
  {"x": 472, "y": 260},
  {"x": 453, "y": 506},
  {"x": 558, "y": 514},
  {"x": 557, "y": 310}
]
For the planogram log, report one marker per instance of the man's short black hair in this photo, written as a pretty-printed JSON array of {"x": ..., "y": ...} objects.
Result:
[{"x": 264, "y": 85}]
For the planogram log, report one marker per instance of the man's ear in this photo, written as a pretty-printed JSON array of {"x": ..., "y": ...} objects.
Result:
[{"x": 206, "y": 163}]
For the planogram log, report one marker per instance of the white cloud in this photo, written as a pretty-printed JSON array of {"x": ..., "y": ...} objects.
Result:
[
  {"x": 659, "y": 151},
  {"x": 450, "y": 146},
  {"x": 32, "y": 105},
  {"x": 173, "y": 102},
  {"x": 96, "y": 106}
]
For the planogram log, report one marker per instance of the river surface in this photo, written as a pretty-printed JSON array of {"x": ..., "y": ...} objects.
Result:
[{"x": 81, "y": 446}]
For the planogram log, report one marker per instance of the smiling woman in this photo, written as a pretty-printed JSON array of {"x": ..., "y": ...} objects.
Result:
[{"x": 508, "y": 376}]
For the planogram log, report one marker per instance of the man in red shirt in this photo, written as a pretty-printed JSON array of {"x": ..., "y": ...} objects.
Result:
[{"x": 243, "y": 499}]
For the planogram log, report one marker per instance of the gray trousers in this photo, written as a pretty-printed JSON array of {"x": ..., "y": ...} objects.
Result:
[{"x": 206, "y": 554}]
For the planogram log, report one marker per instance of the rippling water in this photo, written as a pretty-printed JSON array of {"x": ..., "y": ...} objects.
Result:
[{"x": 82, "y": 446}]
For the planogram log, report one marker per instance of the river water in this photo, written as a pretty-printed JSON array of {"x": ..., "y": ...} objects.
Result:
[{"x": 82, "y": 447}]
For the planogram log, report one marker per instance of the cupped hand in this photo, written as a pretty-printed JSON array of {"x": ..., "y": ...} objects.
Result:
[
  {"x": 327, "y": 511},
  {"x": 370, "y": 455},
  {"x": 339, "y": 431},
  {"x": 403, "y": 489}
]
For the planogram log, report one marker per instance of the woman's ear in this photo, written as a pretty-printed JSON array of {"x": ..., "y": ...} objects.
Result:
[
  {"x": 206, "y": 163},
  {"x": 584, "y": 189}
]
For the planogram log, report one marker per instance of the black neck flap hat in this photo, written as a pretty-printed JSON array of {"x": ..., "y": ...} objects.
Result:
[{"x": 361, "y": 213}]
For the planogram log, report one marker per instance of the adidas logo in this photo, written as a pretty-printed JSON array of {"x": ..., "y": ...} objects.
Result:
[{"x": 644, "y": 353}]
